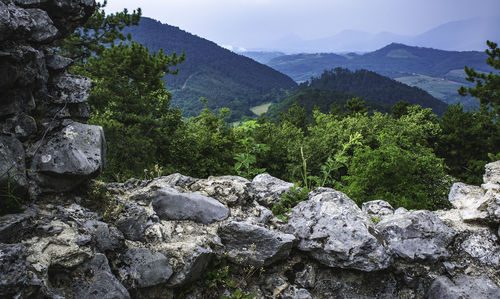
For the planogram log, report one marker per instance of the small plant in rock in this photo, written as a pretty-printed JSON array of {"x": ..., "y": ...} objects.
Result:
[
  {"x": 375, "y": 219},
  {"x": 221, "y": 275},
  {"x": 99, "y": 196},
  {"x": 150, "y": 174},
  {"x": 246, "y": 160},
  {"x": 11, "y": 201},
  {"x": 289, "y": 200}
]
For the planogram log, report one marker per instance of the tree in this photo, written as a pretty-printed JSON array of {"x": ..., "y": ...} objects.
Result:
[
  {"x": 130, "y": 102},
  {"x": 128, "y": 98},
  {"x": 99, "y": 32},
  {"x": 355, "y": 105},
  {"x": 487, "y": 88},
  {"x": 399, "y": 109}
]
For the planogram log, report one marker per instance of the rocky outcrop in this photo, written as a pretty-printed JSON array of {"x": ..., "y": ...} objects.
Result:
[
  {"x": 357, "y": 245},
  {"x": 41, "y": 105},
  {"x": 177, "y": 235}
]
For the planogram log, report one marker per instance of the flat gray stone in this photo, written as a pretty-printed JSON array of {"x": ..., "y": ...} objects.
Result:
[
  {"x": 142, "y": 268},
  {"x": 171, "y": 204},
  {"x": 69, "y": 157},
  {"x": 416, "y": 235},
  {"x": 250, "y": 244},
  {"x": 463, "y": 287},
  {"x": 268, "y": 189}
]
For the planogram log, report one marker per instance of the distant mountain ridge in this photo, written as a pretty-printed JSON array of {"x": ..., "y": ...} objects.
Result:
[
  {"x": 338, "y": 85},
  {"x": 224, "y": 78},
  {"x": 461, "y": 35},
  {"x": 438, "y": 72}
]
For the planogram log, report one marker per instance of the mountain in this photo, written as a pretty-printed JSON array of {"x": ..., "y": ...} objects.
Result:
[
  {"x": 311, "y": 99},
  {"x": 338, "y": 85},
  {"x": 438, "y": 72},
  {"x": 462, "y": 35},
  {"x": 261, "y": 56},
  {"x": 224, "y": 78}
]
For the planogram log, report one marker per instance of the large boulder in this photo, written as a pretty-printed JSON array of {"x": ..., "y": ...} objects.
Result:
[
  {"x": 74, "y": 154},
  {"x": 30, "y": 24},
  {"x": 491, "y": 187},
  {"x": 12, "y": 167},
  {"x": 94, "y": 280},
  {"x": 469, "y": 201},
  {"x": 246, "y": 243},
  {"x": 143, "y": 268},
  {"x": 463, "y": 286},
  {"x": 106, "y": 237},
  {"x": 268, "y": 189},
  {"x": 377, "y": 208},
  {"x": 70, "y": 89},
  {"x": 416, "y": 235},
  {"x": 230, "y": 190},
  {"x": 334, "y": 230},
  {"x": 171, "y": 204}
]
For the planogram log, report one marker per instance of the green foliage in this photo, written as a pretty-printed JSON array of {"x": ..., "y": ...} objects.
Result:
[
  {"x": 226, "y": 79},
  {"x": 10, "y": 197},
  {"x": 246, "y": 160},
  {"x": 221, "y": 275},
  {"x": 289, "y": 200},
  {"x": 100, "y": 32},
  {"x": 466, "y": 140},
  {"x": 355, "y": 105},
  {"x": 206, "y": 146},
  {"x": 487, "y": 88},
  {"x": 370, "y": 85},
  {"x": 375, "y": 219},
  {"x": 130, "y": 102}
]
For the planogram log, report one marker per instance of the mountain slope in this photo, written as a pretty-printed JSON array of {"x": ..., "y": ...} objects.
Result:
[
  {"x": 321, "y": 99},
  {"x": 224, "y": 78},
  {"x": 339, "y": 85},
  {"x": 438, "y": 72}
]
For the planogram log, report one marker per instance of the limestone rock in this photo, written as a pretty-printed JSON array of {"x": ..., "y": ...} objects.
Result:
[
  {"x": 63, "y": 250},
  {"x": 57, "y": 62},
  {"x": 195, "y": 260},
  {"x": 377, "y": 208},
  {"x": 107, "y": 238},
  {"x": 492, "y": 190},
  {"x": 12, "y": 166},
  {"x": 463, "y": 287},
  {"x": 416, "y": 235},
  {"x": 14, "y": 226},
  {"x": 142, "y": 268},
  {"x": 31, "y": 24},
  {"x": 94, "y": 280},
  {"x": 16, "y": 280},
  {"x": 69, "y": 157},
  {"x": 70, "y": 89},
  {"x": 247, "y": 243},
  {"x": 268, "y": 189},
  {"x": 170, "y": 204},
  {"x": 333, "y": 230},
  {"x": 483, "y": 245},
  {"x": 469, "y": 201},
  {"x": 133, "y": 221},
  {"x": 230, "y": 190},
  {"x": 20, "y": 126}
]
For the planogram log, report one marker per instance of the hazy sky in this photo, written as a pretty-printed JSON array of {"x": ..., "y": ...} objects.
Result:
[{"x": 248, "y": 23}]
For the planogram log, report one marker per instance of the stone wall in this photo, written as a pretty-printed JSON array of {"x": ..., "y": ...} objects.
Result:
[
  {"x": 178, "y": 236},
  {"x": 44, "y": 143}
]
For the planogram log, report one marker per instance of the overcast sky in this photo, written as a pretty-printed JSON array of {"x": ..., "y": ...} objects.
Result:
[{"x": 248, "y": 23}]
